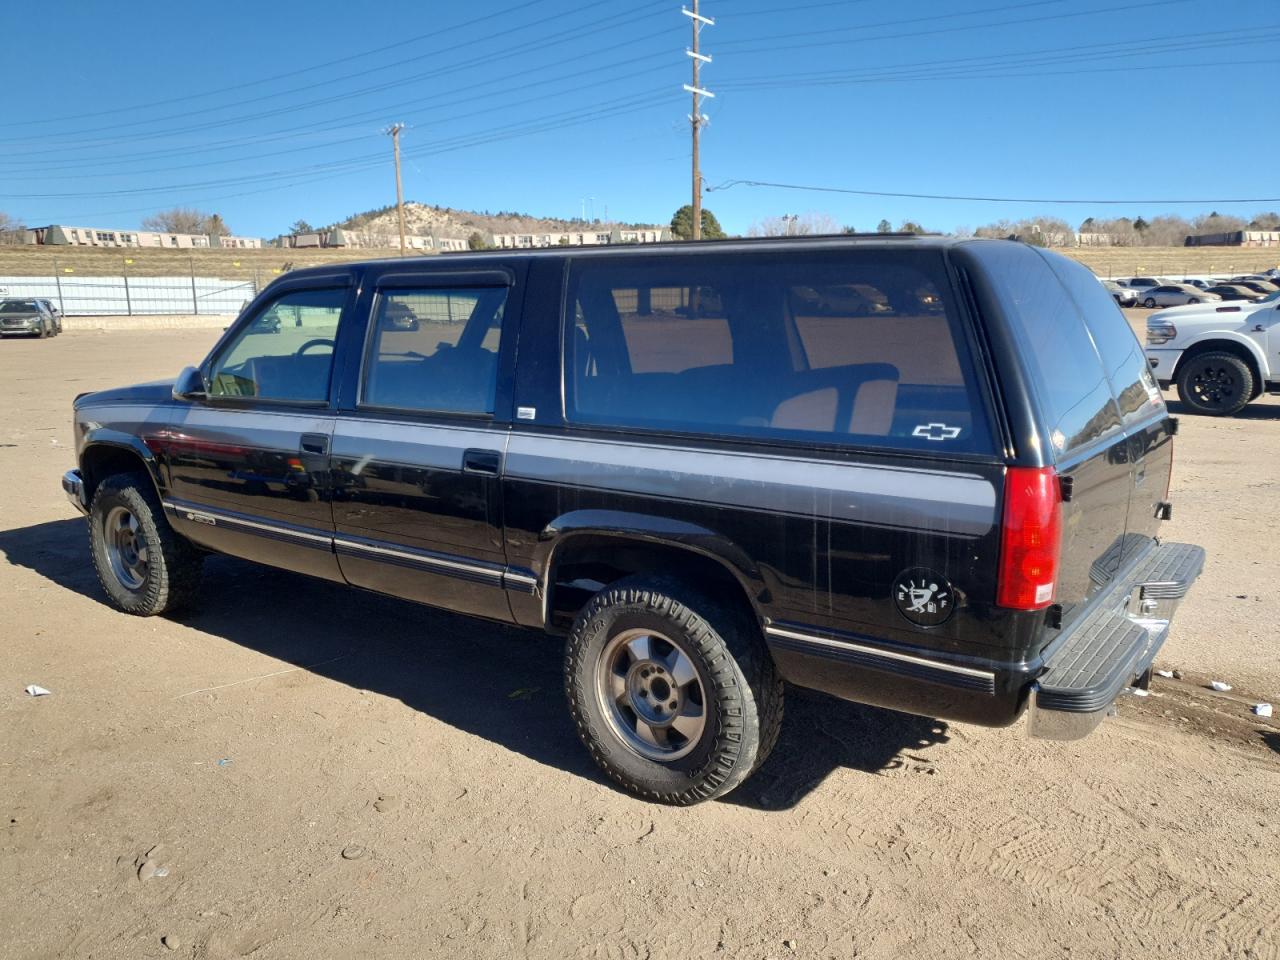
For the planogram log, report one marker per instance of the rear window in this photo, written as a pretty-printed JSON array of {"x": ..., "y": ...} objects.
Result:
[
  {"x": 1066, "y": 372},
  {"x": 1122, "y": 356},
  {"x": 844, "y": 346}
]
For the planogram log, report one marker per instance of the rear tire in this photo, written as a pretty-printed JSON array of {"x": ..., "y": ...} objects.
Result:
[
  {"x": 1215, "y": 384},
  {"x": 143, "y": 565},
  {"x": 675, "y": 697}
]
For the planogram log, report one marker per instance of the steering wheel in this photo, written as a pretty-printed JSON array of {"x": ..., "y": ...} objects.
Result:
[{"x": 318, "y": 342}]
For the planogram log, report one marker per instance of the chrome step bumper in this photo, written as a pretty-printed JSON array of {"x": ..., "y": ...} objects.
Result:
[{"x": 1114, "y": 645}]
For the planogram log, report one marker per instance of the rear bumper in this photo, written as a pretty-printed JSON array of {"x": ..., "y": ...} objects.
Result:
[
  {"x": 73, "y": 487},
  {"x": 1113, "y": 645},
  {"x": 1068, "y": 689}
]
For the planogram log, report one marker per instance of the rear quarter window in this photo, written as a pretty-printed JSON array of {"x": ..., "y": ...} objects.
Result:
[
  {"x": 1122, "y": 356},
  {"x": 1066, "y": 373},
  {"x": 851, "y": 346}
]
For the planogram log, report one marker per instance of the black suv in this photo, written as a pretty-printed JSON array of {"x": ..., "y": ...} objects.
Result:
[{"x": 912, "y": 472}]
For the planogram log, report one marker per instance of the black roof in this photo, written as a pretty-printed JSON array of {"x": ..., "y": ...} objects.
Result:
[{"x": 754, "y": 244}]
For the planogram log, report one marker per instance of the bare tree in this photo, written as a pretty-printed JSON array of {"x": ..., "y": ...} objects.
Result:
[
  {"x": 177, "y": 220},
  {"x": 1217, "y": 223},
  {"x": 11, "y": 230},
  {"x": 214, "y": 226},
  {"x": 1270, "y": 220},
  {"x": 795, "y": 225}
]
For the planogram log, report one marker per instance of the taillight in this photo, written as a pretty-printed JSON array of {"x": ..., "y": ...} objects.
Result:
[{"x": 1031, "y": 538}]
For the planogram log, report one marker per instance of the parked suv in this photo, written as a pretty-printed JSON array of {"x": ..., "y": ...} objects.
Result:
[
  {"x": 30, "y": 318},
  {"x": 912, "y": 472},
  {"x": 1220, "y": 356}
]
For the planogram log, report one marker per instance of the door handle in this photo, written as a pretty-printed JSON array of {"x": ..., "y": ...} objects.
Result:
[
  {"x": 317, "y": 443},
  {"x": 481, "y": 461}
]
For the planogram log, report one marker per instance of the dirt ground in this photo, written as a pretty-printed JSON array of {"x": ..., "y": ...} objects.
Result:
[{"x": 331, "y": 774}]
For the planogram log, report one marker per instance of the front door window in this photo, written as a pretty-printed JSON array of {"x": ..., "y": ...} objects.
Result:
[{"x": 285, "y": 352}]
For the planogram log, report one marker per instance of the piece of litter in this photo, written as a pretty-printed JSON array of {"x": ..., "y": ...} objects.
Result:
[
  {"x": 170, "y": 942},
  {"x": 224, "y": 761},
  {"x": 35, "y": 691},
  {"x": 1167, "y": 674},
  {"x": 523, "y": 693},
  {"x": 150, "y": 869},
  {"x": 1139, "y": 692},
  {"x": 1262, "y": 709},
  {"x": 1219, "y": 686},
  {"x": 353, "y": 852}
]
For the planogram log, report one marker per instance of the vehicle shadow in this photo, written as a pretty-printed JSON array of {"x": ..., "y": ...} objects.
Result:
[
  {"x": 491, "y": 680},
  {"x": 1254, "y": 411}
]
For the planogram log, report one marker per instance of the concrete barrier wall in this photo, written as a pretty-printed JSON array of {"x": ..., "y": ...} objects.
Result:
[{"x": 166, "y": 322}]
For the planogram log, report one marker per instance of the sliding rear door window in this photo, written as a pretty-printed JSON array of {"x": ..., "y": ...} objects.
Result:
[
  {"x": 435, "y": 350},
  {"x": 851, "y": 347}
]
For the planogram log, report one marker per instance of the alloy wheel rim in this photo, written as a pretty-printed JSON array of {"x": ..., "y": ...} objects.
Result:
[
  {"x": 651, "y": 695},
  {"x": 1214, "y": 386},
  {"x": 126, "y": 547}
]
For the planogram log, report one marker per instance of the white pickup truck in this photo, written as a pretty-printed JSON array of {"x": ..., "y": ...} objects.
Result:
[{"x": 1220, "y": 356}]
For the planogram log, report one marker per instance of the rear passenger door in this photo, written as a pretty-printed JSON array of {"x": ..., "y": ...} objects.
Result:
[{"x": 419, "y": 445}]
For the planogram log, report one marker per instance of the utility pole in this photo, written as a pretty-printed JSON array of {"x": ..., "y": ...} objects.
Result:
[
  {"x": 394, "y": 131},
  {"x": 696, "y": 119}
]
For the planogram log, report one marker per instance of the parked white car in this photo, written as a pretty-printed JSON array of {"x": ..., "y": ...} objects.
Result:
[{"x": 1220, "y": 356}]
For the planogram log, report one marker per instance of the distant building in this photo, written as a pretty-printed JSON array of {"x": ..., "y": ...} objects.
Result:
[
  {"x": 587, "y": 236},
  {"x": 342, "y": 237},
  {"x": 1235, "y": 238},
  {"x": 64, "y": 235}
]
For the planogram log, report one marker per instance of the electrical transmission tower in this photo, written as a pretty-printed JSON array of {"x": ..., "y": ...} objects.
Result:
[{"x": 697, "y": 120}]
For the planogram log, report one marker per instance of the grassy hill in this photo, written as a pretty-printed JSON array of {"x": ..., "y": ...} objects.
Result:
[{"x": 265, "y": 265}]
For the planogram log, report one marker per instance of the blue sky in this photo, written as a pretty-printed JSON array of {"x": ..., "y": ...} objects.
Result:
[{"x": 268, "y": 112}]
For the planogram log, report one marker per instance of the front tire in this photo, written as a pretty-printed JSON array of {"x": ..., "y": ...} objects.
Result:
[
  {"x": 1149, "y": 303},
  {"x": 143, "y": 565},
  {"x": 1215, "y": 384},
  {"x": 676, "y": 698}
]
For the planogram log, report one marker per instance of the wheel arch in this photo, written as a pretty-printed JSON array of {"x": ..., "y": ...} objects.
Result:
[
  {"x": 584, "y": 551},
  {"x": 107, "y": 452},
  {"x": 1241, "y": 347}
]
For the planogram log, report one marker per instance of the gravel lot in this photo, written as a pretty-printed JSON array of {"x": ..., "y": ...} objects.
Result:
[{"x": 334, "y": 774}]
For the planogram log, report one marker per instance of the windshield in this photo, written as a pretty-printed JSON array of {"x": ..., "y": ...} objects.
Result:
[{"x": 18, "y": 306}]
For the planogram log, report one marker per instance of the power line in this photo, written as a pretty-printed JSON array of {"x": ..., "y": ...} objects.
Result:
[
  {"x": 536, "y": 44},
  {"x": 283, "y": 76},
  {"x": 914, "y": 34},
  {"x": 729, "y": 184},
  {"x": 1145, "y": 46}
]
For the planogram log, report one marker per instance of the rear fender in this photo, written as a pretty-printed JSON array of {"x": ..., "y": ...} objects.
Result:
[{"x": 559, "y": 537}]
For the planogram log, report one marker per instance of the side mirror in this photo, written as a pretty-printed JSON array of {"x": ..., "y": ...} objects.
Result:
[{"x": 190, "y": 385}]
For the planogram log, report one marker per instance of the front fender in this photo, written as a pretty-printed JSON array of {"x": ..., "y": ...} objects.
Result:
[
  {"x": 1228, "y": 336},
  {"x": 100, "y": 440}
]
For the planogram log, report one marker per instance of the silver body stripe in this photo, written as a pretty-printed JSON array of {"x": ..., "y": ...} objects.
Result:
[
  {"x": 497, "y": 573},
  {"x": 430, "y": 446},
  {"x": 209, "y": 513},
  {"x": 341, "y": 541},
  {"x": 955, "y": 502},
  {"x": 879, "y": 652}
]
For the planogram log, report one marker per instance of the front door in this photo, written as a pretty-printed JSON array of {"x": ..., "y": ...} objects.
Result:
[
  {"x": 248, "y": 465},
  {"x": 418, "y": 449}
]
